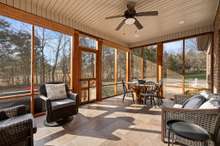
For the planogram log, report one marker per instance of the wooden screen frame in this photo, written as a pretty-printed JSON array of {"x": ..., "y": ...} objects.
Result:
[
  {"x": 160, "y": 57},
  {"x": 89, "y": 50},
  {"x": 127, "y": 60},
  {"x": 142, "y": 61}
]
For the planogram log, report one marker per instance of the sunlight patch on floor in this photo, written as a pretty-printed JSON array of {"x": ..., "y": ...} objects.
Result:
[
  {"x": 91, "y": 112},
  {"x": 119, "y": 132},
  {"x": 86, "y": 141},
  {"x": 135, "y": 106},
  {"x": 61, "y": 140},
  {"x": 103, "y": 105}
]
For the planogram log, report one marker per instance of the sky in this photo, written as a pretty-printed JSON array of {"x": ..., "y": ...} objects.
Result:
[
  {"x": 16, "y": 25},
  {"x": 174, "y": 47}
]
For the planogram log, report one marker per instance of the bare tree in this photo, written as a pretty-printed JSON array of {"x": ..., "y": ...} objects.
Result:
[{"x": 60, "y": 46}]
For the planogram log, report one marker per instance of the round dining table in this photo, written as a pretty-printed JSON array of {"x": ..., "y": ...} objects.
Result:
[{"x": 138, "y": 88}]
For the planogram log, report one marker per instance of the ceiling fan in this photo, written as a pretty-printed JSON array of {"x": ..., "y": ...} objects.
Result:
[{"x": 130, "y": 16}]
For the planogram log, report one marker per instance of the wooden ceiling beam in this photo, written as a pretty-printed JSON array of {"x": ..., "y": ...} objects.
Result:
[{"x": 112, "y": 44}]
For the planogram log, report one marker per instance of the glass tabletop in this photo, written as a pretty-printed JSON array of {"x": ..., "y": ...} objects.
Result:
[{"x": 188, "y": 130}]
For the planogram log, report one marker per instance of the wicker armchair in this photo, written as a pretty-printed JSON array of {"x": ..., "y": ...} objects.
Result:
[
  {"x": 209, "y": 119},
  {"x": 55, "y": 111},
  {"x": 16, "y": 127}
]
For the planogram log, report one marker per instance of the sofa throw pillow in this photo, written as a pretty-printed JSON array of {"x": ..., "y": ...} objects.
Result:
[
  {"x": 212, "y": 103},
  {"x": 56, "y": 91},
  {"x": 194, "y": 102}
]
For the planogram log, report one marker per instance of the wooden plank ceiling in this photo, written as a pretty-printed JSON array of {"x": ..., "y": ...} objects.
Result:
[{"x": 89, "y": 15}]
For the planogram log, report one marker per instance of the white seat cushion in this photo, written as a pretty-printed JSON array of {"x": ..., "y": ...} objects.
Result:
[
  {"x": 177, "y": 106},
  {"x": 56, "y": 91},
  {"x": 212, "y": 103}
]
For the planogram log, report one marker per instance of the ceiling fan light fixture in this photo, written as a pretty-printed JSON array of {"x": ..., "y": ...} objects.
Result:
[
  {"x": 181, "y": 22},
  {"x": 129, "y": 21},
  {"x": 136, "y": 35}
]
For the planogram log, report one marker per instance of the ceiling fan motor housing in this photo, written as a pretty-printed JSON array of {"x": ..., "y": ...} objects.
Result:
[{"x": 129, "y": 14}]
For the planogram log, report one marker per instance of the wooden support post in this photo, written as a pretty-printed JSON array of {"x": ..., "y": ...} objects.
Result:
[
  {"x": 142, "y": 63},
  {"x": 160, "y": 63},
  {"x": 183, "y": 85},
  {"x": 72, "y": 63},
  {"x": 131, "y": 66},
  {"x": 99, "y": 71},
  {"x": 127, "y": 66},
  {"x": 115, "y": 72},
  {"x": 32, "y": 69},
  {"x": 212, "y": 62},
  {"x": 76, "y": 64}
]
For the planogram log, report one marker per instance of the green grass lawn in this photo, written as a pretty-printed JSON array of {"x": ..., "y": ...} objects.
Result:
[{"x": 200, "y": 75}]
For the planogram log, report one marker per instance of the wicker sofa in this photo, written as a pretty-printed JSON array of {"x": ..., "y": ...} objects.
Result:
[
  {"x": 206, "y": 118},
  {"x": 16, "y": 127}
]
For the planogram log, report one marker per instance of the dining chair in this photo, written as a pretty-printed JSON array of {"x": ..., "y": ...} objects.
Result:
[
  {"x": 159, "y": 97},
  {"x": 150, "y": 92},
  {"x": 126, "y": 91}
]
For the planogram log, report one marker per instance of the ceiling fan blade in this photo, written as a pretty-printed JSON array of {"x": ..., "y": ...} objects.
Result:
[
  {"x": 116, "y": 16},
  {"x": 120, "y": 25},
  {"x": 138, "y": 24},
  {"x": 147, "y": 13}
]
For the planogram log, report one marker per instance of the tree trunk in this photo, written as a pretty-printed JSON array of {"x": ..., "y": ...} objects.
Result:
[
  {"x": 42, "y": 60},
  {"x": 56, "y": 57}
]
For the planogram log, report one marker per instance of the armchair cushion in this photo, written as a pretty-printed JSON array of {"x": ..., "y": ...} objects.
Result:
[
  {"x": 58, "y": 104},
  {"x": 56, "y": 91},
  {"x": 194, "y": 102}
]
